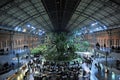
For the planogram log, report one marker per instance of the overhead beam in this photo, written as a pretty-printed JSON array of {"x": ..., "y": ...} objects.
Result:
[
  {"x": 60, "y": 12},
  {"x": 80, "y": 13},
  {"x": 40, "y": 14},
  {"x": 6, "y": 3},
  {"x": 95, "y": 12}
]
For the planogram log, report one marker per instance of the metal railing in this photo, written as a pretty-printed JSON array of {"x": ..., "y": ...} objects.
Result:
[{"x": 5, "y": 69}]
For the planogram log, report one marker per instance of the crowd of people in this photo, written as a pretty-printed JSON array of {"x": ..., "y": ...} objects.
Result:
[{"x": 51, "y": 70}]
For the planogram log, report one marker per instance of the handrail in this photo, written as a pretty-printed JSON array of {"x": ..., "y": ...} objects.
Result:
[
  {"x": 6, "y": 69},
  {"x": 114, "y": 50},
  {"x": 13, "y": 76}
]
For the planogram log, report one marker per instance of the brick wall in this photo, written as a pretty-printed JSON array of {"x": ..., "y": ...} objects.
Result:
[
  {"x": 108, "y": 37},
  {"x": 15, "y": 40}
]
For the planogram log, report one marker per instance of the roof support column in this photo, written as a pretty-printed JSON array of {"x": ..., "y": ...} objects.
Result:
[{"x": 11, "y": 42}]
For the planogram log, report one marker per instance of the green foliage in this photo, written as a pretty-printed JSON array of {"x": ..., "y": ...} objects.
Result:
[
  {"x": 35, "y": 51},
  {"x": 40, "y": 50},
  {"x": 82, "y": 46},
  {"x": 60, "y": 48}
]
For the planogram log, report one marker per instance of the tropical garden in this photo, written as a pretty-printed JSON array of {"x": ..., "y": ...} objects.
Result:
[{"x": 60, "y": 47}]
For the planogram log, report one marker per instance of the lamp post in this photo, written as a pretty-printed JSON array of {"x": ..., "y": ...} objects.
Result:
[
  {"x": 106, "y": 54},
  {"x": 28, "y": 53},
  {"x": 108, "y": 51},
  {"x": 17, "y": 55}
]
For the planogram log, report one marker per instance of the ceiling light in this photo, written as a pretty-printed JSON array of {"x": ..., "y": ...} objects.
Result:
[
  {"x": 104, "y": 27},
  {"x": 93, "y": 24},
  {"x": 16, "y": 28},
  {"x": 33, "y": 27},
  {"x": 28, "y": 25},
  {"x": 24, "y": 30}
]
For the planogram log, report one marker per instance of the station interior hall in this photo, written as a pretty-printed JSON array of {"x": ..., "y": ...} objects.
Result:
[{"x": 59, "y": 39}]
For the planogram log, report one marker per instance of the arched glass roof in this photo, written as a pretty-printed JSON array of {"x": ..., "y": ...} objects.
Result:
[
  {"x": 32, "y": 16},
  {"x": 24, "y": 16},
  {"x": 89, "y": 12}
]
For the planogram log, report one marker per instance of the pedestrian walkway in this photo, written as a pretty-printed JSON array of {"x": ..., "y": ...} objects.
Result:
[
  {"x": 9, "y": 58},
  {"x": 93, "y": 70},
  {"x": 113, "y": 74},
  {"x": 95, "y": 73},
  {"x": 6, "y": 75},
  {"x": 31, "y": 77}
]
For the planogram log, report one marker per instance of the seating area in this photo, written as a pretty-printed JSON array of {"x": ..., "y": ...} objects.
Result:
[
  {"x": 58, "y": 71},
  {"x": 51, "y": 70}
]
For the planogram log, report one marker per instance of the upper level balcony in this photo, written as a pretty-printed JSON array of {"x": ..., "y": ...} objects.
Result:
[{"x": 112, "y": 52}]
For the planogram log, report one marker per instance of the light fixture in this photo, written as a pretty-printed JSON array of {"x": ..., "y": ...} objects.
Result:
[
  {"x": 33, "y": 27},
  {"x": 24, "y": 30},
  {"x": 104, "y": 27},
  {"x": 19, "y": 29},
  {"x": 16, "y": 28},
  {"x": 28, "y": 25},
  {"x": 93, "y": 24}
]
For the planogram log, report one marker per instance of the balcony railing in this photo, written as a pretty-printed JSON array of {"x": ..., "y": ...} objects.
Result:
[
  {"x": 5, "y": 69},
  {"x": 3, "y": 52}
]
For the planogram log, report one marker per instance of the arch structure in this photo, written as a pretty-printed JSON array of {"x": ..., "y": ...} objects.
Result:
[{"x": 34, "y": 16}]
